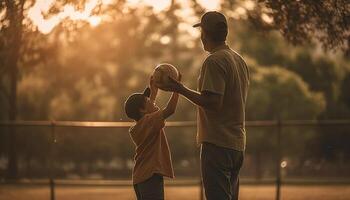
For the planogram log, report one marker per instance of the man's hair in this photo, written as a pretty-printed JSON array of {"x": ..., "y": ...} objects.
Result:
[{"x": 219, "y": 34}]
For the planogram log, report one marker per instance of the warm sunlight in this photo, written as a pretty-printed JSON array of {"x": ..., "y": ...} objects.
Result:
[
  {"x": 46, "y": 25},
  {"x": 112, "y": 99},
  {"x": 157, "y": 5}
]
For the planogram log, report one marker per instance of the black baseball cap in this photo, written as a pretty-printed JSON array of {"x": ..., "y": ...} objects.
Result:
[
  {"x": 135, "y": 102},
  {"x": 212, "y": 21}
]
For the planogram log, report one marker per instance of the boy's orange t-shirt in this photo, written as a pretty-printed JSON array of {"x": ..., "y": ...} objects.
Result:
[{"x": 152, "y": 149}]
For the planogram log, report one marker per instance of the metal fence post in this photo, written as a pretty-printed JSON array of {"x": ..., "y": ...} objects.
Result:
[
  {"x": 201, "y": 191},
  {"x": 278, "y": 162},
  {"x": 51, "y": 160},
  {"x": 201, "y": 196}
]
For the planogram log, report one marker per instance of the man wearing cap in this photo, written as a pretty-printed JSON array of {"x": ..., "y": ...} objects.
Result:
[{"x": 221, "y": 97}]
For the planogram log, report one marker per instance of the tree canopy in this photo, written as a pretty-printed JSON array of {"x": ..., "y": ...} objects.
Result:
[{"x": 303, "y": 21}]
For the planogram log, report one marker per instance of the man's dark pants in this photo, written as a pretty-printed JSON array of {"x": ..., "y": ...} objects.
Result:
[
  {"x": 220, "y": 169},
  {"x": 151, "y": 189}
]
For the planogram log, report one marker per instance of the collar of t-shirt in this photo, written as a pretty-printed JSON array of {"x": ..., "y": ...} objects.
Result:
[{"x": 223, "y": 46}]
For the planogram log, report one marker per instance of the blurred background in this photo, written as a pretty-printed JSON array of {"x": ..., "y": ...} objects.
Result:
[{"x": 67, "y": 60}]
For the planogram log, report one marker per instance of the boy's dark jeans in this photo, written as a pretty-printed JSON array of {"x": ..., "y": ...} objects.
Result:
[
  {"x": 220, "y": 168},
  {"x": 151, "y": 189}
]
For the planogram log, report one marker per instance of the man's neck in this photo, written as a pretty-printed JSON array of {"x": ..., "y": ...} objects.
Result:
[{"x": 217, "y": 46}]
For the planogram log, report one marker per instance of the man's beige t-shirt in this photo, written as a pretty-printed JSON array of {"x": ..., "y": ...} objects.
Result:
[
  {"x": 225, "y": 73},
  {"x": 152, "y": 149}
]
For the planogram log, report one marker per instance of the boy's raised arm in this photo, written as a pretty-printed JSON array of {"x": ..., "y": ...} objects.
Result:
[
  {"x": 154, "y": 90},
  {"x": 172, "y": 103}
]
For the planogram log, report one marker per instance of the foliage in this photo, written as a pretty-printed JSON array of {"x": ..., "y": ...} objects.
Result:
[
  {"x": 303, "y": 21},
  {"x": 280, "y": 94}
]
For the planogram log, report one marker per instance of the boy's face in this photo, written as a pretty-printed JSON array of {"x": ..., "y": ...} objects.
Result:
[{"x": 149, "y": 106}]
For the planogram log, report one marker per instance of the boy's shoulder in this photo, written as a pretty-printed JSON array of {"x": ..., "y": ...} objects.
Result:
[
  {"x": 154, "y": 116},
  {"x": 152, "y": 121},
  {"x": 151, "y": 118}
]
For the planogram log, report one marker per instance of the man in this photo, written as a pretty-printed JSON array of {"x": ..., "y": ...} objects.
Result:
[{"x": 221, "y": 98}]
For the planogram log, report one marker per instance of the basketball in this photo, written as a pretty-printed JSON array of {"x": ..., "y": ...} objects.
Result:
[{"x": 161, "y": 74}]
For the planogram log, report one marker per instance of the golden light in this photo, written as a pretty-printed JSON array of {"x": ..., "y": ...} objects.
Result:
[
  {"x": 94, "y": 20},
  {"x": 210, "y": 4},
  {"x": 266, "y": 18},
  {"x": 165, "y": 39},
  {"x": 249, "y": 5},
  {"x": 157, "y": 5},
  {"x": 240, "y": 12},
  {"x": 284, "y": 164},
  {"x": 46, "y": 25},
  {"x": 237, "y": 13}
]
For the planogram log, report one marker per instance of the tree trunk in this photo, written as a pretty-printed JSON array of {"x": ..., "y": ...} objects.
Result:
[
  {"x": 12, "y": 171},
  {"x": 15, "y": 15}
]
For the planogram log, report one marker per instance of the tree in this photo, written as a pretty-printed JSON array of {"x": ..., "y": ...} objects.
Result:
[
  {"x": 323, "y": 72},
  {"x": 345, "y": 95},
  {"x": 279, "y": 94},
  {"x": 88, "y": 72},
  {"x": 11, "y": 40},
  {"x": 303, "y": 21},
  {"x": 17, "y": 49},
  {"x": 333, "y": 143}
]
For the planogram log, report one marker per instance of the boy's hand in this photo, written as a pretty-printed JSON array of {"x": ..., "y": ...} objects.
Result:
[{"x": 154, "y": 89}]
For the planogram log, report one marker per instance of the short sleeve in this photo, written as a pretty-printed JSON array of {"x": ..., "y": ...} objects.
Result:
[
  {"x": 213, "y": 77},
  {"x": 156, "y": 120}
]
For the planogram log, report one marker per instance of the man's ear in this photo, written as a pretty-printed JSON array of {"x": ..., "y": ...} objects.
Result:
[{"x": 203, "y": 35}]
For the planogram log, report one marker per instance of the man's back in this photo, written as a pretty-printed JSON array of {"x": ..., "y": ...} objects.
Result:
[{"x": 224, "y": 72}]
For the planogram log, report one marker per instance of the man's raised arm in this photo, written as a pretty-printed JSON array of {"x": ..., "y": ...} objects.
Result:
[{"x": 205, "y": 99}]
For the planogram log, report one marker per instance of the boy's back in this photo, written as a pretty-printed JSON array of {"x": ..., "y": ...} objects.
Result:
[
  {"x": 152, "y": 155},
  {"x": 152, "y": 149}
]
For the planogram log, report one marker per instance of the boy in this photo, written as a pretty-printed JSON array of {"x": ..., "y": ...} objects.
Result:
[{"x": 152, "y": 157}]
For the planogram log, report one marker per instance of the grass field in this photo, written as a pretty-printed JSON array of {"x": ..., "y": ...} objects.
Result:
[{"x": 248, "y": 192}]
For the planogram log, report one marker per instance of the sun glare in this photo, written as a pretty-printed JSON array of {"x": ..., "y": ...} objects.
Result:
[
  {"x": 266, "y": 18},
  {"x": 210, "y": 4},
  {"x": 158, "y": 5},
  {"x": 46, "y": 25}
]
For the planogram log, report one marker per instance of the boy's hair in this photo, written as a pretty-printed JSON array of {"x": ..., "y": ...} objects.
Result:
[{"x": 135, "y": 103}]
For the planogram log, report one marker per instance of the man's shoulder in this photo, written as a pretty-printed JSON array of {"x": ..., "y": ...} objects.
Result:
[
  {"x": 210, "y": 58},
  {"x": 230, "y": 52},
  {"x": 221, "y": 57},
  {"x": 214, "y": 58},
  {"x": 223, "y": 54}
]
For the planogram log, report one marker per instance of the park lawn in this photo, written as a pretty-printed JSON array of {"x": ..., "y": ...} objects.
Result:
[{"x": 248, "y": 192}]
